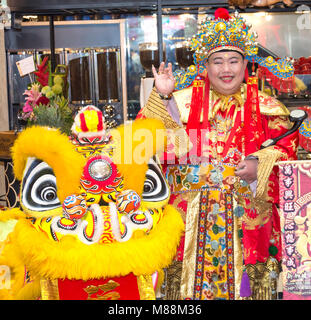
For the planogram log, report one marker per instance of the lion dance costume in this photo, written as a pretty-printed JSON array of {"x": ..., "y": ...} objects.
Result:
[{"x": 92, "y": 223}]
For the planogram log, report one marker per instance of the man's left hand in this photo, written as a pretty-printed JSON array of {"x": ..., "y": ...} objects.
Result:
[{"x": 247, "y": 170}]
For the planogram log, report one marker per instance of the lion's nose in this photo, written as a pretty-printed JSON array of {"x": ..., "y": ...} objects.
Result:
[{"x": 100, "y": 170}]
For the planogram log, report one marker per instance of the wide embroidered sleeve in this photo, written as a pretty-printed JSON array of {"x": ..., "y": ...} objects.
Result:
[
  {"x": 275, "y": 122},
  {"x": 155, "y": 109},
  {"x": 178, "y": 143}
]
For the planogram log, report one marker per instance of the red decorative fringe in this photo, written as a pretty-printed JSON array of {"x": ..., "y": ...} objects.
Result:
[
  {"x": 196, "y": 110},
  {"x": 196, "y": 103},
  {"x": 282, "y": 85}
]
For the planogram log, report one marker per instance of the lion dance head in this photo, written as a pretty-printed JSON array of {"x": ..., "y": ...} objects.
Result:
[{"x": 94, "y": 220}]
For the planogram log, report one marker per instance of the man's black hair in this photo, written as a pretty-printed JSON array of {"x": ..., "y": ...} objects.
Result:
[{"x": 226, "y": 50}]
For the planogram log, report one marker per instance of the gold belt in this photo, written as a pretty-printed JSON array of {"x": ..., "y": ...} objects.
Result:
[{"x": 183, "y": 178}]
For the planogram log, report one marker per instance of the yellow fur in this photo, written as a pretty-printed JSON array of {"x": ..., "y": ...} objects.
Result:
[
  {"x": 30, "y": 291},
  {"x": 8, "y": 220},
  {"x": 67, "y": 164},
  {"x": 11, "y": 258},
  {"x": 72, "y": 259},
  {"x": 136, "y": 144},
  {"x": 69, "y": 258},
  {"x": 14, "y": 213}
]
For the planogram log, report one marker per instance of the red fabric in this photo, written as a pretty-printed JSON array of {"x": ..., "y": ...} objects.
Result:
[
  {"x": 257, "y": 241},
  {"x": 246, "y": 75},
  {"x": 206, "y": 104},
  {"x": 196, "y": 104},
  {"x": 75, "y": 289},
  {"x": 252, "y": 113},
  {"x": 302, "y": 65},
  {"x": 199, "y": 102},
  {"x": 282, "y": 85}
]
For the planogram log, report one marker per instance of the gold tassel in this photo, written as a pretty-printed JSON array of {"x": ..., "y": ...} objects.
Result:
[
  {"x": 145, "y": 287},
  {"x": 266, "y": 160},
  {"x": 49, "y": 289},
  {"x": 264, "y": 287}
]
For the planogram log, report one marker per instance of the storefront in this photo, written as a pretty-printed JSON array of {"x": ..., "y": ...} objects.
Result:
[
  {"x": 108, "y": 49},
  {"x": 100, "y": 53}
]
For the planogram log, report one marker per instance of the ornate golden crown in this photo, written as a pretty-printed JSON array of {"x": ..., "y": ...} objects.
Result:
[
  {"x": 228, "y": 32},
  {"x": 225, "y": 32}
]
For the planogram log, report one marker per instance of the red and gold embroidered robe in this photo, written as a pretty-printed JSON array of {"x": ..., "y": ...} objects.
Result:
[{"x": 228, "y": 228}]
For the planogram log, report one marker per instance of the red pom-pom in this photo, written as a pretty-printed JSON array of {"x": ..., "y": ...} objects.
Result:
[{"x": 222, "y": 13}]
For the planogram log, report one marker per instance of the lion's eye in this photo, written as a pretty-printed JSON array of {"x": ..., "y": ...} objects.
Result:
[
  {"x": 155, "y": 186},
  {"x": 39, "y": 190},
  {"x": 47, "y": 192}
]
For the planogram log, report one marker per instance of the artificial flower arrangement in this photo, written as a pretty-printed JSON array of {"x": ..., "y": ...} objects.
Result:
[{"x": 46, "y": 99}]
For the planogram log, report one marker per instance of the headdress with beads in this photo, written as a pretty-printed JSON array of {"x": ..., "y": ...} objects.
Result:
[
  {"x": 229, "y": 32},
  {"x": 224, "y": 32}
]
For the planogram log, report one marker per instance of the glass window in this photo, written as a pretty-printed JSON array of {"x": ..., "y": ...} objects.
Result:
[{"x": 284, "y": 34}]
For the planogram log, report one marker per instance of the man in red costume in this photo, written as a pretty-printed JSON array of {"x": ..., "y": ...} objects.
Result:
[{"x": 227, "y": 188}]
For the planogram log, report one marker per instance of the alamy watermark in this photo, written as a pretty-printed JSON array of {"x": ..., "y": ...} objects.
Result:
[
  {"x": 136, "y": 144},
  {"x": 5, "y": 277}
]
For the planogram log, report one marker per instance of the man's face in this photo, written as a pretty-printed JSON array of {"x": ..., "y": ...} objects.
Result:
[{"x": 226, "y": 71}]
